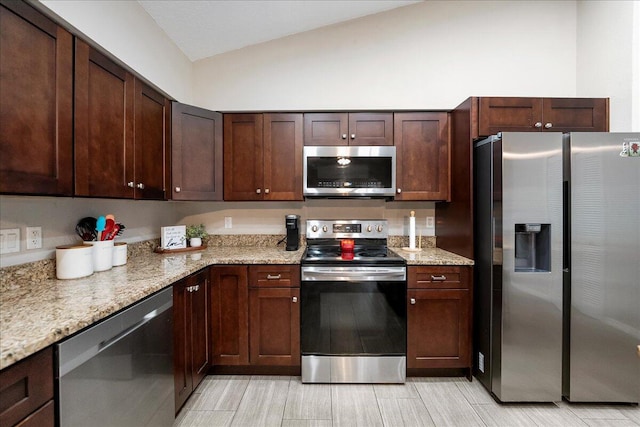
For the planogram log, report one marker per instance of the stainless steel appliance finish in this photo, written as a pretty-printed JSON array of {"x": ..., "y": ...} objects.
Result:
[
  {"x": 519, "y": 223},
  {"x": 349, "y": 171},
  {"x": 120, "y": 371},
  {"x": 603, "y": 314},
  {"x": 353, "y": 308}
]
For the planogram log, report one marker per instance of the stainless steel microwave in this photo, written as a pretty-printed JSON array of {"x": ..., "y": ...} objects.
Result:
[{"x": 349, "y": 171}]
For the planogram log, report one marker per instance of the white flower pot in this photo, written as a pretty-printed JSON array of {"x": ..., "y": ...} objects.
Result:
[{"x": 194, "y": 242}]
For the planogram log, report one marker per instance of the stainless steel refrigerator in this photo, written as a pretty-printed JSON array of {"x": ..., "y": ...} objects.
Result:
[{"x": 557, "y": 289}]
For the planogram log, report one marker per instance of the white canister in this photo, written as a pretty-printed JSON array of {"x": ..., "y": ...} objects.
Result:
[
  {"x": 119, "y": 253},
  {"x": 102, "y": 254},
  {"x": 74, "y": 261}
]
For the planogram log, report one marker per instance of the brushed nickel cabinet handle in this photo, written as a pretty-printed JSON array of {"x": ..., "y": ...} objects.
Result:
[
  {"x": 412, "y": 301},
  {"x": 178, "y": 189},
  {"x": 399, "y": 190},
  {"x": 274, "y": 277},
  {"x": 548, "y": 125},
  {"x": 266, "y": 191},
  {"x": 258, "y": 191},
  {"x": 538, "y": 125},
  {"x": 130, "y": 184},
  {"x": 440, "y": 278},
  {"x": 294, "y": 299},
  {"x": 353, "y": 136},
  {"x": 140, "y": 186},
  {"x": 344, "y": 136}
]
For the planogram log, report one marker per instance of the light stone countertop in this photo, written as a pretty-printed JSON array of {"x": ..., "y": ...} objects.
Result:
[
  {"x": 432, "y": 256},
  {"x": 37, "y": 311}
]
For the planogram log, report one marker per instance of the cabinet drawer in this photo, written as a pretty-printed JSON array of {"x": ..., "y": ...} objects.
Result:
[
  {"x": 274, "y": 276},
  {"x": 26, "y": 386},
  {"x": 438, "y": 277}
]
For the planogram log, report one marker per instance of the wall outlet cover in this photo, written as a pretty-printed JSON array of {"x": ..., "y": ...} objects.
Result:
[{"x": 9, "y": 240}]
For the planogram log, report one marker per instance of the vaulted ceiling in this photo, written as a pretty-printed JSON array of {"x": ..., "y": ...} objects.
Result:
[{"x": 205, "y": 28}]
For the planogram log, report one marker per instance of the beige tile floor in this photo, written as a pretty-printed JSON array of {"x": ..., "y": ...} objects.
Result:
[{"x": 253, "y": 401}]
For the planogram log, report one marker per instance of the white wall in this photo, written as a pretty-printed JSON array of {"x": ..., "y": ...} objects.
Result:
[
  {"x": 608, "y": 48},
  {"x": 430, "y": 55},
  {"x": 127, "y": 31}
]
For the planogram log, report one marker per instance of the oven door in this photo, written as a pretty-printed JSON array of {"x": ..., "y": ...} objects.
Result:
[{"x": 353, "y": 330}]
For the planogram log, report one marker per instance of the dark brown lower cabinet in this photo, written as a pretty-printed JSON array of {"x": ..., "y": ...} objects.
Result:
[
  {"x": 191, "y": 334},
  {"x": 256, "y": 316},
  {"x": 274, "y": 315},
  {"x": 439, "y": 317},
  {"x": 229, "y": 315},
  {"x": 26, "y": 392}
]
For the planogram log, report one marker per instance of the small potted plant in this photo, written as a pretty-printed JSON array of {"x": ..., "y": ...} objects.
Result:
[{"x": 195, "y": 234}]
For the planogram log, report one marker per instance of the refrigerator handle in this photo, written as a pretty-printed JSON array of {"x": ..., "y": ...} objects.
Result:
[{"x": 566, "y": 227}]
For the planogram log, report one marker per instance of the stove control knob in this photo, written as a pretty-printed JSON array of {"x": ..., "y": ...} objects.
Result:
[
  {"x": 314, "y": 228},
  {"x": 324, "y": 228},
  {"x": 379, "y": 229},
  {"x": 369, "y": 228}
]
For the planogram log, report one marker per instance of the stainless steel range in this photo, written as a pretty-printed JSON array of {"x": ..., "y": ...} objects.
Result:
[{"x": 353, "y": 304}]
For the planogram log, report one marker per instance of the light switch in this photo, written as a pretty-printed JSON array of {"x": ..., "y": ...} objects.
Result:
[{"x": 9, "y": 240}]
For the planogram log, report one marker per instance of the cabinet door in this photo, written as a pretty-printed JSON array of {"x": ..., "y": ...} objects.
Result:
[
  {"x": 243, "y": 158},
  {"x": 200, "y": 346},
  {"x": 575, "y": 114},
  {"x": 26, "y": 386},
  {"x": 438, "y": 332},
  {"x": 183, "y": 380},
  {"x": 196, "y": 153},
  {"x": 326, "y": 129},
  {"x": 36, "y": 94},
  {"x": 274, "y": 326},
  {"x": 229, "y": 315},
  {"x": 152, "y": 112},
  {"x": 283, "y": 156},
  {"x": 104, "y": 158},
  {"x": 496, "y": 114},
  {"x": 422, "y": 156},
  {"x": 370, "y": 129}
]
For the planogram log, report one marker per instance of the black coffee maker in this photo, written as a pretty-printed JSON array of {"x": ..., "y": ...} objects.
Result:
[{"x": 293, "y": 232}]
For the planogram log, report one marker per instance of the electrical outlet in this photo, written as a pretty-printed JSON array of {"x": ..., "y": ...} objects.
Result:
[
  {"x": 9, "y": 240},
  {"x": 34, "y": 237},
  {"x": 228, "y": 222},
  {"x": 430, "y": 222}
]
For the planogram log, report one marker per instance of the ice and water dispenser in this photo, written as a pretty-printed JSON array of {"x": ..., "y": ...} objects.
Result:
[{"x": 533, "y": 248}]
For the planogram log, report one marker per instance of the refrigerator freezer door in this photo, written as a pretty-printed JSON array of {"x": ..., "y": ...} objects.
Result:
[
  {"x": 530, "y": 357},
  {"x": 605, "y": 269}
]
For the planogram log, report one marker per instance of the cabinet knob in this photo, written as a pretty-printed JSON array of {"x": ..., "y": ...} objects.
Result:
[
  {"x": 353, "y": 136},
  {"x": 399, "y": 190},
  {"x": 274, "y": 276},
  {"x": 196, "y": 288},
  {"x": 440, "y": 278},
  {"x": 412, "y": 301},
  {"x": 266, "y": 191},
  {"x": 344, "y": 136},
  {"x": 140, "y": 186},
  {"x": 130, "y": 184},
  {"x": 189, "y": 288},
  {"x": 548, "y": 125},
  {"x": 178, "y": 189},
  {"x": 538, "y": 125},
  {"x": 294, "y": 299},
  {"x": 258, "y": 191}
]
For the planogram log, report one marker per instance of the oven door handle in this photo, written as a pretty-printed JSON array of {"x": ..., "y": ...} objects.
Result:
[{"x": 311, "y": 273}]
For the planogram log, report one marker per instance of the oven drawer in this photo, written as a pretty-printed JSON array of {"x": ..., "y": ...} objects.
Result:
[
  {"x": 438, "y": 277},
  {"x": 274, "y": 276}
]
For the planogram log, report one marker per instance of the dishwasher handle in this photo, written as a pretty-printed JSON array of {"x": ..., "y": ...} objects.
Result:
[{"x": 122, "y": 335}]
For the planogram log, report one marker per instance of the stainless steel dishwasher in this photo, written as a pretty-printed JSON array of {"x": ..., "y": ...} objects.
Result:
[{"x": 120, "y": 371}]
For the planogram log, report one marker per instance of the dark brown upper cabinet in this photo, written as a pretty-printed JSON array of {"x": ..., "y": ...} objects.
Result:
[
  {"x": 151, "y": 140},
  {"x": 104, "y": 126},
  {"x": 422, "y": 156},
  {"x": 263, "y": 156},
  {"x": 36, "y": 97},
  {"x": 196, "y": 153},
  {"x": 348, "y": 129},
  {"x": 513, "y": 114},
  {"x": 121, "y": 131}
]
